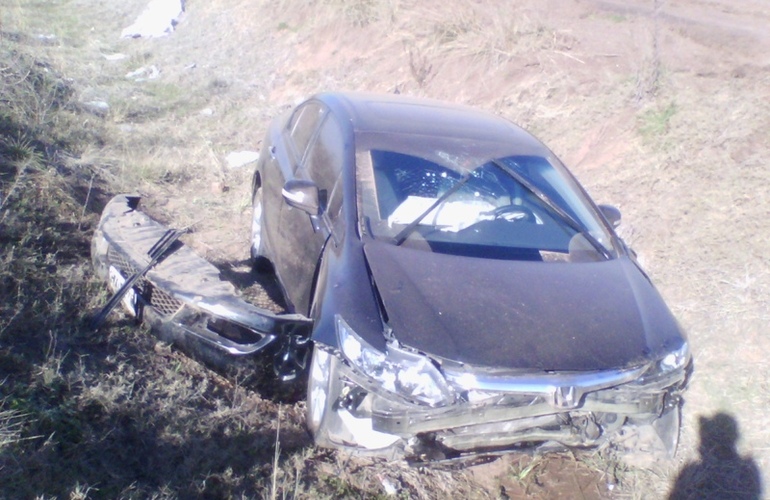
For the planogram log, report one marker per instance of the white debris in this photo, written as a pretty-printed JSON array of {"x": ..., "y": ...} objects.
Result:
[
  {"x": 390, "y": 488},
  {"x": 144, "y": 73},
  {"x": 450, "y": 216},
  {"x": 206, "y": 112},
  {"x": 237, "y": 159},
  {"x": 363, "y": 433},
  {"x": 114, "y": 57},
  {"x": 158, "y": 19}
]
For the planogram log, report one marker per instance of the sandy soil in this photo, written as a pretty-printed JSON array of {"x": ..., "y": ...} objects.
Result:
[{"x": 661, "y": 108}]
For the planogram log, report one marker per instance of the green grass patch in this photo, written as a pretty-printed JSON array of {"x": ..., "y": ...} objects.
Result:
[{"x": 655, "y": 123}]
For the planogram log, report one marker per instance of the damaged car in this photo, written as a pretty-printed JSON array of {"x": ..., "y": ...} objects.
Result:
[
  {"x": 466, "y": 294},
  {"x": 451, "y": 290}
]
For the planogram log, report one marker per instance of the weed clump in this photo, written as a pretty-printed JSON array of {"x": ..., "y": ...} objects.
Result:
[{"x": 45, "y": 283}]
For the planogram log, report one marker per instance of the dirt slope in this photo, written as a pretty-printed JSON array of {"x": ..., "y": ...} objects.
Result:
[{"x": 661, "y": 108}]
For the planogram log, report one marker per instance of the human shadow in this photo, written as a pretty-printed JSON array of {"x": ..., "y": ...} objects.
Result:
[{"x": 721, "y": 473}]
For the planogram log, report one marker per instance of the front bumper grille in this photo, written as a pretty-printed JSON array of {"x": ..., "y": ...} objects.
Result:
[
  {"x": 163, "y": 303},
  {"x": 493, "y": 421},
  {"x": 183, "y": 297}
]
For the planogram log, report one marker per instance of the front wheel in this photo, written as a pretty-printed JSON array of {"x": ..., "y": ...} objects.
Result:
[
  {"x": 332, "y": 419},
  {"x": 258, "y": 258},
  {"x": 318, "y": 389}
]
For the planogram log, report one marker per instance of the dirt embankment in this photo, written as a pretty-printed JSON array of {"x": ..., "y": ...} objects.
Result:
[{"x": 661, "y": 108}]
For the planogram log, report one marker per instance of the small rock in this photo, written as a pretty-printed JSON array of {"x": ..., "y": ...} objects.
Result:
[
  {"x": 219, "y": 187},
  {"x": 98, "y": 108},
  {"x": 144, "y": 73},
  {"x": 47, "y": 39}
]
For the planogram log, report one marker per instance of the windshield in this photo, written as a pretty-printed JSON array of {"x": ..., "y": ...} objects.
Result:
[{"x": 448, "y": 206}]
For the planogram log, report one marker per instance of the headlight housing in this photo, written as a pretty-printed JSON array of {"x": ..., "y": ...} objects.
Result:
[
  {"x": 408, "y": 374},
  {"x": 670, "y": 368},
  {"x": 676, "y": 359}
]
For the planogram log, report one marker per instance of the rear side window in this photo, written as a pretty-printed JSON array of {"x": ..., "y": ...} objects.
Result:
[{"x": 302, "y": 126}]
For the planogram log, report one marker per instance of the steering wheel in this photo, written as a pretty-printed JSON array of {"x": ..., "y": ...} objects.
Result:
[{"x": 514, "y": 213}]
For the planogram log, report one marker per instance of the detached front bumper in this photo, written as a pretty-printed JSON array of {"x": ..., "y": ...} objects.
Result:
[
  {"x": 496, "y": 414},
  {"x": 183, "y": 297}
]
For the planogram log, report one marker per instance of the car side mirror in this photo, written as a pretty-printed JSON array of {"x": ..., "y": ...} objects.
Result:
[
  {"x": 612, "y": 214},
  {"x": 302, "y": 194}
]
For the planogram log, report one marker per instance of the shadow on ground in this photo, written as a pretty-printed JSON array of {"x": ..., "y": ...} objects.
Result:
[
  {"x": 260, "y": 287},
  {"x": 720, "y": 473}
]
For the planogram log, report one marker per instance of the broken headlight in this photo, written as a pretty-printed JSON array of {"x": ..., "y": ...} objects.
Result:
[
  {"x": 408, "y": 374},
  {"x": 670, "y": 368}
]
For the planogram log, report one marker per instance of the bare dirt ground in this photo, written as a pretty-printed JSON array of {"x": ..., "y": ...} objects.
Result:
[{"x": 661, "y": 108}]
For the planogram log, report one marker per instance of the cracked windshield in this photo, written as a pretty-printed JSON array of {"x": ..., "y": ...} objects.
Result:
[{"x": 441, "y": 205}]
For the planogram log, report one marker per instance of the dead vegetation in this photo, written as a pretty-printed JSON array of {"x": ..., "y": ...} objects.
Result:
[{"x": 656, "y": 117}]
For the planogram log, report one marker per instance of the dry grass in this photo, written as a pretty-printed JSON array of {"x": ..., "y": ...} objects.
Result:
[
  {"x": 109, "y": 414},
  {"x": 492, "y": 35}
]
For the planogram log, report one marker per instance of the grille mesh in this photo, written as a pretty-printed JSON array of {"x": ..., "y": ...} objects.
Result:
[{"x": 163, "y": 303}]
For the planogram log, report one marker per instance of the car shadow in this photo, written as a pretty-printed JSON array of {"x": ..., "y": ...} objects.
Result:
[
  {"x": 141, "y": 458},
  {"x": 260, "y": 287},
  {"x": 720, "y": 473}
]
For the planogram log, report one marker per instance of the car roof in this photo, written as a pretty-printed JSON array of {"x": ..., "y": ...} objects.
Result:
[{"x": 399, "y": 114}]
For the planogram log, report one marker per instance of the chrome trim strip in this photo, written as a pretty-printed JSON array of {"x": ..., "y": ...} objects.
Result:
[
  {"x": 406, "y": 423},
  {"x": 563, "y": 390},
  {"x": 228, "y": 345}
]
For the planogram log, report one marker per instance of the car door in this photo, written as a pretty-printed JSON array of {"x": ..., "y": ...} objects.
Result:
[
  {"x": 285, "y": 145},
  {"x": 288, "y": 143},
  {"x": 306, "y": 235}
]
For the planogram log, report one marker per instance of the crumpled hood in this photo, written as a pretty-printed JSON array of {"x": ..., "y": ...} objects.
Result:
[{"x": 519, "y": 314}]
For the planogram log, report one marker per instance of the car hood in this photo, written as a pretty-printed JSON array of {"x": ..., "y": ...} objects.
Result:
[{"x": 522, "y": 315}]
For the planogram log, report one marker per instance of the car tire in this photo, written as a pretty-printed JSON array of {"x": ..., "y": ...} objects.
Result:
[
  {"x": 333, "y": 426},
  {"x": 318, "y": 395},
  {"x": 258, "y": 258}
]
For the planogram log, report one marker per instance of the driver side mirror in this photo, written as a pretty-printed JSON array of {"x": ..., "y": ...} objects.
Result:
[
  {"x": 612, "y": 215},
  {"x": 302, "y": 194}
]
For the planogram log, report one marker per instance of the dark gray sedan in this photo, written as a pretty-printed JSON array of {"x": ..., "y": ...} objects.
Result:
[{"x": 466, "y": 295}]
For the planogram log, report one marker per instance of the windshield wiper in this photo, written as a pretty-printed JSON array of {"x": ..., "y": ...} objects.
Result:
[
  {"x": 404, "y": 233},
  {"x": 563, "y": 215}
]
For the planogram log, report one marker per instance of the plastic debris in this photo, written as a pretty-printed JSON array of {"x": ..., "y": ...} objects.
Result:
[
  {"x": 237, "y": 159},
  {"x": 159, "y": 18},
  {"x": 114, "y": 57}
]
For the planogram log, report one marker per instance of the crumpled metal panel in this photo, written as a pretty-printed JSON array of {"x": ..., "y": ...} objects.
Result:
[{"x": 183, "y": 292}]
